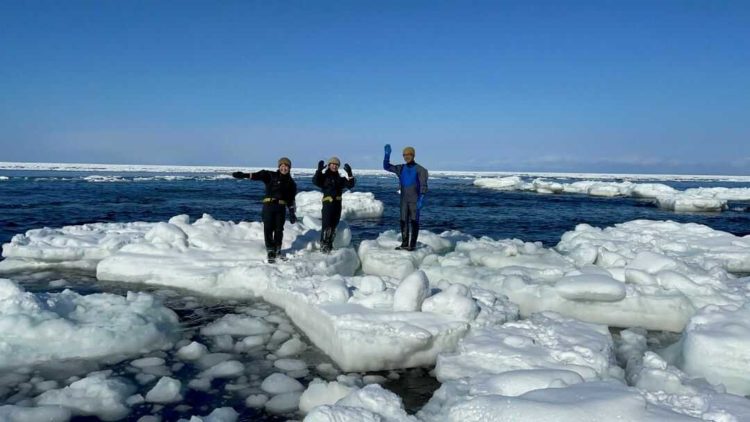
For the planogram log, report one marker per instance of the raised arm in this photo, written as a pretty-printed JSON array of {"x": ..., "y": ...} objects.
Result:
[
  {"x": 387, "y": 166},
  {"x": 350, "y": 180},
  {"x": 318, "y": 176}
]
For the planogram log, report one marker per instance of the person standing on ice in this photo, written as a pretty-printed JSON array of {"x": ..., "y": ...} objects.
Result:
[
  {"x": 412, "y": 179},
  {"x": 280, "y": 193},
  {"x": 332, "y": 185}
]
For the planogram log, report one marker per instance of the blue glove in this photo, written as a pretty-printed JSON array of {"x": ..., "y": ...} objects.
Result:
[
  {"x": 387, "y": 150},
  {"x": 420, "y": 202}
]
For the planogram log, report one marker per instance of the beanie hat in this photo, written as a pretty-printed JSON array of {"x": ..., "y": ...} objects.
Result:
[
  {"x": 284, "y": 160},
  {"x": 409, "y": 150},
  {"x": 334, "y": 160}
]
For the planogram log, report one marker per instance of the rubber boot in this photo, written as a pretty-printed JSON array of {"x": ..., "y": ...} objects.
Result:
[
  {"x": 324, "y": 236},
  {"x": 414, "y": 236},
  {"x": 404, "y": 237},
  {"x": 271, "y": 255}
]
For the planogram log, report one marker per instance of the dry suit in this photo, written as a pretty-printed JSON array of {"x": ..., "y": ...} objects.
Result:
[
  {"x": 413, "y": 183},
  {"x": 332, "y": 184},
  {"x": 280, "y": 193}
]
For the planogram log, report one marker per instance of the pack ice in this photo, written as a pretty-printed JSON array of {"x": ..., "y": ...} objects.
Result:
[
  {"x": 453, "y": 303},
  {"x": 701, "y": 199}
]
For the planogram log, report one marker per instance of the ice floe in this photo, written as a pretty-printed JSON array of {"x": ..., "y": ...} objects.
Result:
[
  {"x": 664, "y": 196},
  {"x": 354, "y": 205},
  {"x": 453, "y": 302},
  {"x": 37, "y": 328}
]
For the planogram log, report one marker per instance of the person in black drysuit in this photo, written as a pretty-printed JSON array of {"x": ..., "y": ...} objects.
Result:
[
  {"x": 412, "y": 179},
  {"x": 280, "y": 193},
  {"x": 332, "y": 185}
]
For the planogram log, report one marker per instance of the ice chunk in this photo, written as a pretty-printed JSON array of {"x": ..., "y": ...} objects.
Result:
[
  {"x": 411, "y": 292},
  {"x": 96, "y": 395},
  {"x": 283, "y": 403},
  {"x": 320, "y": 392},
  {"x": 716, "y": 346},
  {"x": 354, "y": 205},
  {"x": 67, "y": 325},
  {"x": 278, "y": 383},
  {"x": 238, "y": 325},
  {"x": 192, "y": 351},
  {"x": 590, "y": 287},
  {"x": 11, "y": 413},
  {"x": 80, "y": 247},
  {"x": 167, "y": 390},
  {"x": 545, "y": 341}
]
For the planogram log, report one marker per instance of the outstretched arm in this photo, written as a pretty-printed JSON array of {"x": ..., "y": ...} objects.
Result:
[
  {"x": 262, "y": 176},
  {"x": 240, "y": 175}
]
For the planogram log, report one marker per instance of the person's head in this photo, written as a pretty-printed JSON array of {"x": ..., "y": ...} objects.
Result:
[
  {"x": 409, "y": 154},
  {"x": 333, "y": 164},
  {"x": 285, "y": 165}
]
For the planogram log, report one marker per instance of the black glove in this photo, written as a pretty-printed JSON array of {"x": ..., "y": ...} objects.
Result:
[
  {"x": 348, "y": 170},
  {"x": 238, "y": 175},
  {"x": 321, "y": 165},
  {"x": 292, "y": 216}
]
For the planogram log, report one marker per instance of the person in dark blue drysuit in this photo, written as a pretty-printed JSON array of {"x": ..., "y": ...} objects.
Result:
[
  {"x": 332, "y": 184},
  {"x": 412, "y": 179},
  {"x": 281, "y": 191}
]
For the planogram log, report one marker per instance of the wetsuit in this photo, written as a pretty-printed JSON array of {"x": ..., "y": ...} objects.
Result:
[
  {"x": 280, "y": 193},
  {"x": 413, "y": 182},
  {"x": 332, "y": 185}
]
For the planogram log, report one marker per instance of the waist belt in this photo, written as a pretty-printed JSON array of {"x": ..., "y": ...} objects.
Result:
[
  {"x": 331, "y": 198},
  {"x": 271, "y": 200}
]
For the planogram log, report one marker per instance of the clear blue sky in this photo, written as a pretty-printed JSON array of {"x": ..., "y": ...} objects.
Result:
[{"x": 616, "y": 86}]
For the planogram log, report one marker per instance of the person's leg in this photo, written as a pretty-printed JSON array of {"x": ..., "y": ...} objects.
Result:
[
  {"x": 414, "y": 235},
  {"x": 327, "y": 223},
  {"x": 269, "y": 229},
  {"x": 414, "y": 226},
  {"x": 278, "y": 237},
  {"x": 404, "y": 226},
  {"x": 335, "y": 219}
]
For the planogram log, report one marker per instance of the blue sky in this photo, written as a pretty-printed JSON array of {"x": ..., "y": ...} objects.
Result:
[{"x": 602, "y": 86}]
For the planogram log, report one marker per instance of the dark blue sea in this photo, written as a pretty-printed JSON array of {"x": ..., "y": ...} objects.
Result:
[
  {"x": 31, "y": 200},
  {"x": 34, "y": 199}
]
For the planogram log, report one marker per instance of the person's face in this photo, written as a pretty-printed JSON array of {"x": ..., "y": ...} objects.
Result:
[
  {"x": 333, "y": 167},
  {"x": 408, "y": 157},
  {"x": 284, "y": 169}
]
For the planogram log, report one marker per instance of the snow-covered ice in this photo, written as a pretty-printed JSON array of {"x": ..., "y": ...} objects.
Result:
[
  {"x": 354, "y": 205},
  {"x": 716, "y": 346},
  {"x": 40, "y": 328},
  {"x": 544, "y": 341},
  {"x": 99, "y": 395},
  {"x": 689, "y": 200},
  {"x": 453, "y": 302},
  {"x": 70, "y": 246}
]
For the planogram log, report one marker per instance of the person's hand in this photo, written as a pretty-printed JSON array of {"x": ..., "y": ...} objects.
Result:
[
  {"x": 238, "y": 175},
  {"x": 292, "y": 216},
  {"x": 420, "y": 202},
  {"x": 321, "y": 165},
  {"x": 387, "y": 149},
  {"x": 348, "y": 169}
]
